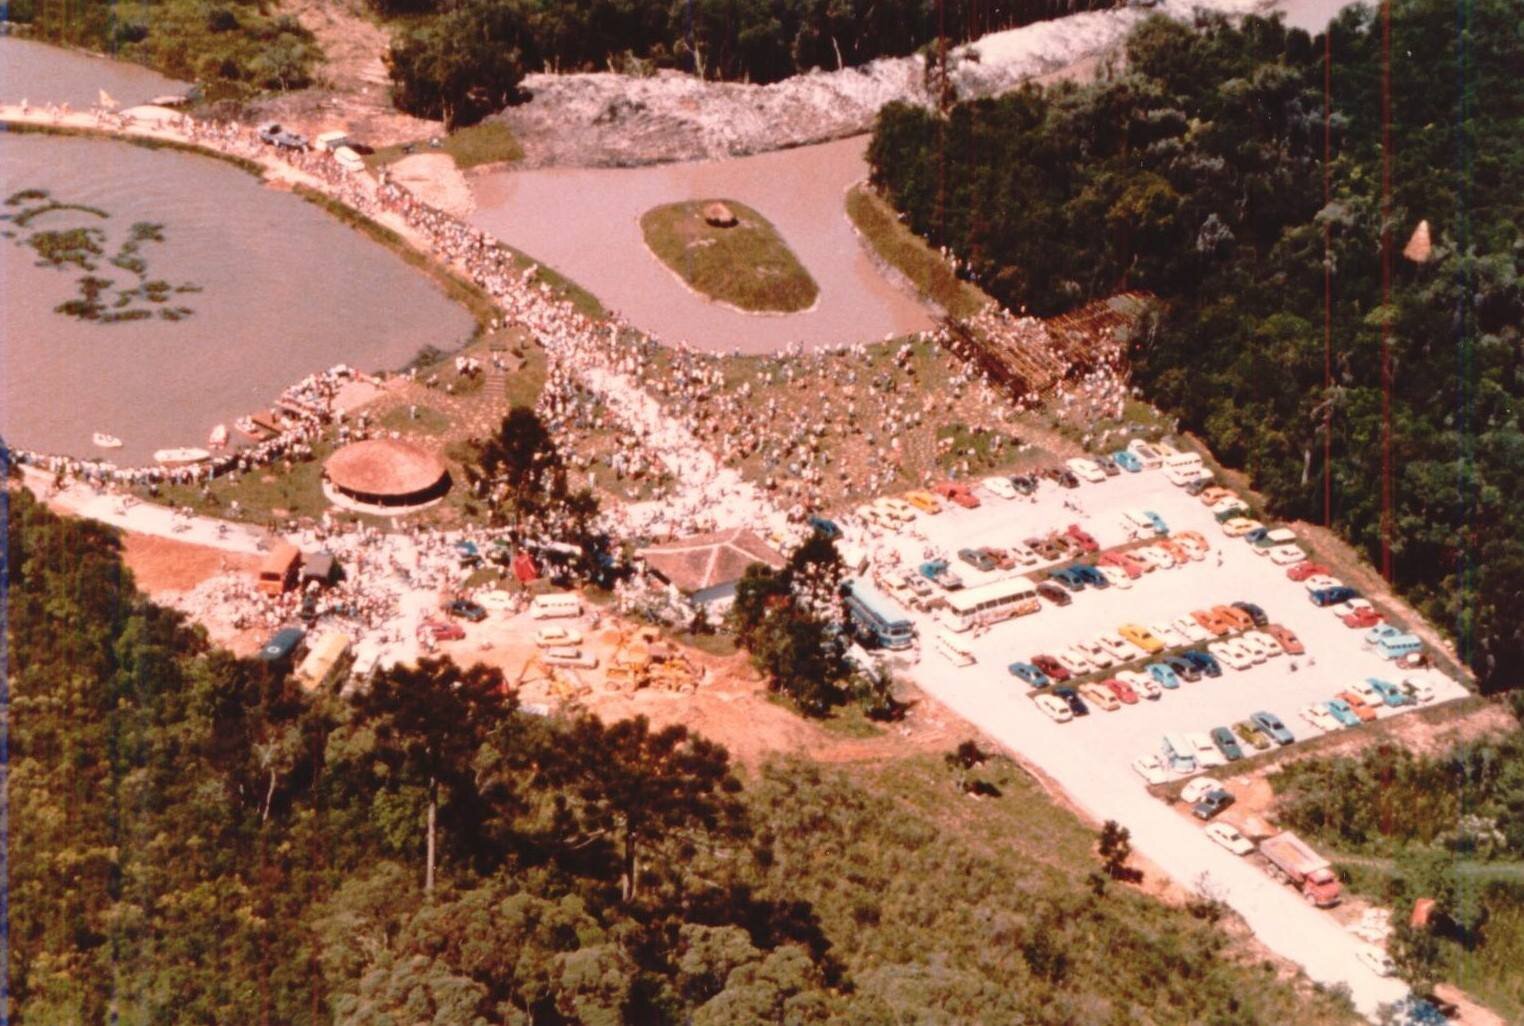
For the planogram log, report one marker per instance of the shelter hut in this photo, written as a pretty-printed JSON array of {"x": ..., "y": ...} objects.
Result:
[
  {"x": 387, "y": 472},
  {"x": 707, "y": 567},
  {"x": 719, "y": 215}
]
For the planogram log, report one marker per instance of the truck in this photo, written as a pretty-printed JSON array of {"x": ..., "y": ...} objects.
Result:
[{"x": 1289, "y": 859}]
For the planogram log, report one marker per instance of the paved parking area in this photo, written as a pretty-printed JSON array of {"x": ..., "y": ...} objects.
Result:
[{"x": 1091, "y": 756}]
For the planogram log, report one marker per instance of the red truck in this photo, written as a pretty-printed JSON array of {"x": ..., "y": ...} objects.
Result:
[
  {"x": 1290, "y": 860},
  {"x": 956, "y": 491}
]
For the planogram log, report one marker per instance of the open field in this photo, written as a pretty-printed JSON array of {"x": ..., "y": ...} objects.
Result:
[{"x": 747, "y": 264}]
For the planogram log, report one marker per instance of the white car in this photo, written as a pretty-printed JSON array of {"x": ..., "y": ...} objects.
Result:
[
  {"x": 1168, "y": 634},
  {"x": 1153, "y": 556},
  {"x": 1116, "y": 647},
  {"x": 1207, "y": 754},
  {"x": 1116, "y": 576},
  {"x": 1285, "y": 555},
  {"x": 1318, "y": 715},
  {"x": 1000, "y": 486},
  {"x": 1165, "y": 450},
  {"x": 1146, "y": 454},
  {"x": 1227, "y": 503},
  {"x": 1228, "y": 836},
  {"x": 1086, "y": 470},
  {"x": 1150, "y": 768},
  {"x": 1056, "y": 708},
  {"x": 1256, "y": 654},
  {"x": 1142, "y": 683},
  {"x": 1369, "y": 695},
  {"x": 1421, "y": 689},
  {"x": 1199, "y": 788},
  {"x": 1352, "y": 606},
  {"x": 1264, "y": 642},
  {"x": 1073, "y": 660},
  {"x": 1379, "y": 961},
  {"x": 1095, "y": 654},
  {"x": 556, "y": 637},
  {"x": 1230, "y": 655},
  {"x": 1188, "y": 626},
  {"x": 1318, "y": 582},
  {"x": 1023, "y": 554}
]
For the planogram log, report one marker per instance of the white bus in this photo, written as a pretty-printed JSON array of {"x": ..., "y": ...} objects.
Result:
[
  {"x": 546, "y": 606},
  {"x": 989, "y": 603}
]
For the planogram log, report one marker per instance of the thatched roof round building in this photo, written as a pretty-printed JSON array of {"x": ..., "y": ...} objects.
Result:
[
  {"x": 387, "y": 472},
  {"x": 719, "y": 215}
]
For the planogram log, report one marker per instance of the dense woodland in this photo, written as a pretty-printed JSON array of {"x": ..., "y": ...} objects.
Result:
[
  {"x": 195, "y": 840},
  {"x": 1196, "y": 170},
  {"x": 1448, "y": 826},
  {"x": 461, "y": 59},
  {"x": 233, "y": 48}
]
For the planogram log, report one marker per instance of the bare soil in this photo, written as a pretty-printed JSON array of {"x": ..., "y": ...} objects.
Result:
[{"x": 164, "y": 564}]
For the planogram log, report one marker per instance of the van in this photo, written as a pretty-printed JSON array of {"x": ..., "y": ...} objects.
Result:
[
  {"x": 1178, "y": 754},
  {"x": 1399, "y": 645},
  {"x": 952, "y": 648},
  {"x": 545, "y": 607},
  {"x": 348, "y": 159},
  {"x": 278, "y": 570},
  {"x": 1146, "y": 454},
  {"x": 1185, "y": 467}
]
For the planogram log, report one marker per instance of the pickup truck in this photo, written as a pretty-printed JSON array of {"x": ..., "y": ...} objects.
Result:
[
  {"x": 936, "y": 571},
  {"x": 1290, "y": 860}
]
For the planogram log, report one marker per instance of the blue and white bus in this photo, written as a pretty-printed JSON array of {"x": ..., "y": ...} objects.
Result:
[{"x": 878, "y": 617}]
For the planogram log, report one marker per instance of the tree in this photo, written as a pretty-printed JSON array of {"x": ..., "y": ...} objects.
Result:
[
  {"x": 645, "y": 792},
  {"x": 1115, "y": 849},
  {"x": 521, "y": 464},
  {"x": 463, "y": 66}
]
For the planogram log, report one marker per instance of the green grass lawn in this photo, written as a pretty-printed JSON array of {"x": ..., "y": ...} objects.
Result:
[
  {"x": 490, "y": 142},
  {"x": 900, "y": 248},
  {"x": 747, "y": 265}
]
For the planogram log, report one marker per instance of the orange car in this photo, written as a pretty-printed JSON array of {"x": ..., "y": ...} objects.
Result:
[
  {"x": 1240, "y": 620},
  {"x": 1286, "y": 639},
  {"x": 1355, "y": 702},
  {"x": 1212, "y": 496},
  {"x": 1175, "y": 549},
  {"x": 1213, "y": 621}
]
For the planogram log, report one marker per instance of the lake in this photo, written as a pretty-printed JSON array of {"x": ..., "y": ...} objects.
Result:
[{"x": 40, "y": 74}]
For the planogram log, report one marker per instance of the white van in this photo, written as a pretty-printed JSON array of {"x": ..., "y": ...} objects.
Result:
[
  {"x": 952, "y": 648},
  {"x": 348, "y": 159},
  {"x": 546, "y": 607},
  {"x": 1178, "y": 753},
  {"x": 1206, "y": 751},
  {"x": 1146, "y": 454},
  {"x": 1183, "y": 468}
]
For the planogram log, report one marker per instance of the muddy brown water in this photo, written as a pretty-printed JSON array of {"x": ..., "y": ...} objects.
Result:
[
  {"x": 287, "y": 291},
  {"x": 585, "y": 223},
  {"x": 41, "y": 74}
]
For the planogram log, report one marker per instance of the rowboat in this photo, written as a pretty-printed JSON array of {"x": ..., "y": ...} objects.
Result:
[
  {"x": 106, "y": 441},
  {"x": 219, "y": 437},
  {"x": 186, "y": 455}
]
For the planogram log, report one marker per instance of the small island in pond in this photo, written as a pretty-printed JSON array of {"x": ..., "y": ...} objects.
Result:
[{"x": 730, "y": 253}]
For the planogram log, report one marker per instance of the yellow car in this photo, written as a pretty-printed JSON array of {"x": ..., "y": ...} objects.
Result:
[
  {"x": 924, "y": 501},
  {"x": 1141, "y": 636},
  {"x": 1097, "y": 695},
  {"x": 1240, "y": 526}
]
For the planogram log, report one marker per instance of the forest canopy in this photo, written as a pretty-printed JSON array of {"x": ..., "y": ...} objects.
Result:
[{"x": 1196, "y": 171}]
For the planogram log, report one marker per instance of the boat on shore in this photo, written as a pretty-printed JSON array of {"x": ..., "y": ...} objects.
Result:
[
  {"x": 106, "y": 441},
  {"x": 181, "y": 456},
  {"x": 219, "y": 437}
]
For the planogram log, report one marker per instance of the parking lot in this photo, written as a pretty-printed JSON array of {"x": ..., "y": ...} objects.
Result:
[{"x": 1091, "y": 756}]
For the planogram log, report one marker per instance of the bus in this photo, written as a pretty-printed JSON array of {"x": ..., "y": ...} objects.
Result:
[
  {"x": 990, "y": 603},
  {"x": 877, "y": 617}
]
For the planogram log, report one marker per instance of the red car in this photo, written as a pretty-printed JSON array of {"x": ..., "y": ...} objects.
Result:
[
  {"x": 1002, "y": 558},
  {"x": 1123, "y": 562},
  {"x": 1361, "y": 618},
  {"x": 1052, "y": 667},
  {"x": 1302, "y": 571},
  {"x": 1284, "y": 638},
  {"x": 440, "y": 630},
  {"x": 1054, "y": 594},
  {"x": 1082, "y": 538},
  {"x": 1124, "y": 692},
  {"x": 952, "y": 491}
]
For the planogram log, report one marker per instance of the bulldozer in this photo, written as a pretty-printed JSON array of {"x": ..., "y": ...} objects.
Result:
[{"x": 650, "y": 662}]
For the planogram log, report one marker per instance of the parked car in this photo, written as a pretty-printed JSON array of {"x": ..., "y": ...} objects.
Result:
[
  {"x": 1086, "y": 541},
  {"x": 1194, "y": 543},
  {"x": 1228, "y": 836},
  {"x": 824, "y": 526},
  {"x": 1203, "y": 661},
  {"x": 958, "y": 492},
  {"x": 1168, "y": 634},
  {"x": 1343, "y": 712},
  {"x": 1108, "y": 465},
  {"x": 937, "y": 572},
  {"x": 1025, "y": 484},
  {"x": 1127, "y": 461},
  {"x": 1086, "y": 470},
  {"x": 1054, "y": 594},
  {"x": 1051, "y": 668},
  {"x": 1261, "y": 647},
  {"x": 1117, "y": 647},
  {"x": 1212, "y": 804},
  {"x": 1284, "y": 637},
  {"x": 1237, "y": 527},
  {"x": 1249, "y": 734},
  {"x": 1377, "y": 960},
  {"x": 1115, "y": 577},
  {"x": 1332, "y": 596},
  {"x": 1227, "y": 744},
  {"x": 1072, "y": 659},
  {"x": 1125, "y": 694},
  {"x": 1256, "y": 615},
  {"x": 1318, "y": 715},
  {"x": 1419, "y": 689},
  {"x": 1068, "y": 578},
  {"x": 1191, "y": 629},
  {"x": 1287, "y": 555},
  {"x": 1142, "y": 637},
  {"x": 1212, "y": 621},
  {"x": 1056, "y": 708},
  {"x": 1304, "y": 570},
  {"x": 977, "y": 559},
  {"x": 1198, "y": 788},
  {"x": 1062, "y": 477},
  {"x": 1240, "y": 618},
  {"x": 1390, "y": 693},
  {"x": 557, "y": 637},
  {"x": 1183, "y": 668},
  {"x": 1363, "y": 711},
  {"x": 1123, "y": 562},
  {"x": 1071, "y": 698},
  {"x": 1000, "y": 487},
  {"x": 1031, "y": 674},
  {"x": 1231, "y": 655},
  {"x": 1321, "y": 582},
  {"x": 1153, "y": 558},
  {"x": 1090, "y": 575},
  {"x": 467, "y": 610},
  {"x": 1098, "y": 656},
  {"x": 441, "y": 630},
  {"x": 1142, "y": 683},
  {"x": 1214, "y": 494},
  {"x": 1101, "y": 696},
  {"x": 1271, "y": 724},
  {"x": 1024, "y": 555},
  {"x": 1151, "y": 769},
  {"x": 1164, "y": 675},
  {"x": 1360, "y": 618}
]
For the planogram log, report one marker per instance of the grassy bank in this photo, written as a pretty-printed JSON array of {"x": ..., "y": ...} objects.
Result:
[
  {"x": 490, "y": 142},
  {"x": 746, "y": 265},
  {"x": 31, "y": 128},
  {"x": 931, "y": 275}
]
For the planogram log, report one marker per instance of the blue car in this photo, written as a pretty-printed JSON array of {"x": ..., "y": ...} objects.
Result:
[
  {"x": 1076, "y": 704},
  {"x": 1332, "y": 596},
  {"x": 1271, "y": 724},
  {"x": 1029, "y": 673},
  {"x": 1127, "y": 461},
  {"x": 1340, "y": 710},
  {"x": 1206, "y": 662},
  {"x": 1163, "y": 676},
  {"x": 1391, "y": 694},
  {"x": 825, "y": 527},
  {"x": 1160, "y": 527},
  {"x": 1255, "y": 535},
  {"x": 1090, "y": 575},
  {"x": 1068, "y": 578}
]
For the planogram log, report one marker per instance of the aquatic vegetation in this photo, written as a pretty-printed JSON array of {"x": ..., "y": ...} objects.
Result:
[{"x": 100, "y": 299}]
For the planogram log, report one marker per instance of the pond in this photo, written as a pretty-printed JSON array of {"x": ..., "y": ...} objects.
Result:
[
  {"x": 585, "y": 224},
  {"x": 41, "y": 74},
  {"x": 283, "y": 291}
]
